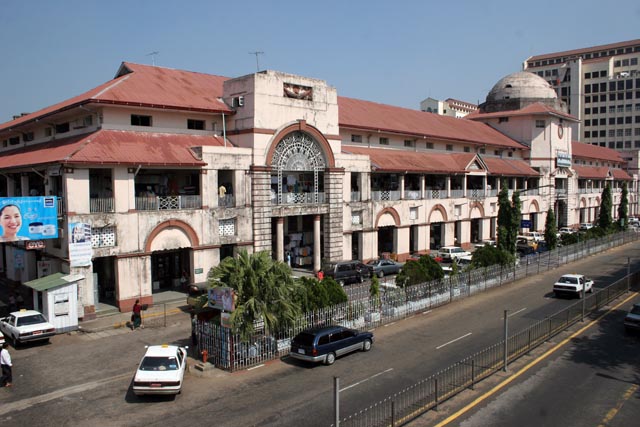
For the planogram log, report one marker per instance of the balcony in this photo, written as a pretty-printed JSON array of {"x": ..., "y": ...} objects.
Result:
[
  {"x": 436, "y": 194},
  {"x": 297, "y": 198},
  {"x": 384, "y": 195},
  {"x": 226, "y": 201},
  {"x": 356, "y": 196},
  {"x": 412, "y": 194},
  {"x": 102, "y": 204},
  {"x": 155, "y": 203}
]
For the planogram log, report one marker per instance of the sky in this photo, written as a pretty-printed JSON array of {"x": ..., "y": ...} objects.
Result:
[{"x": 391, "y": 52}]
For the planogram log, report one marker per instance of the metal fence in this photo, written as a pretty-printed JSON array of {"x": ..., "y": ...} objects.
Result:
[
  {"x": 229, "y": 352},
  {"x": 404, "y": 406}
]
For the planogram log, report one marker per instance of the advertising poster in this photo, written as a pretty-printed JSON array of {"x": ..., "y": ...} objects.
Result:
[
  {"x": 28, "y": 218},
  {"x": 222, "y": 298},
  {"x": 80, "y": 244}
]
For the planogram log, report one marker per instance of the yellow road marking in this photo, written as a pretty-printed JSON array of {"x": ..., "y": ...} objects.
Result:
[
  {"x": 614, "y": 411},
  {"x": 534, "y": 362}
]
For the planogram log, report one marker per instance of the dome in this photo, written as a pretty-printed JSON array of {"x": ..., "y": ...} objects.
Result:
[{"x": 521, "y": 85}]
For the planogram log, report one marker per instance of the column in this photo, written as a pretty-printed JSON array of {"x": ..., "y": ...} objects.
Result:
[
  {"x": 484, "y": 186},
  {"x": 316, "y": 244},
  {"x": 422, "y": 187},
  {"x": 464, "y": 186},
  {"x": 280, "y": 239},
  {"x": 448, "y": 182},
  {"x": 402, "y": 187}
]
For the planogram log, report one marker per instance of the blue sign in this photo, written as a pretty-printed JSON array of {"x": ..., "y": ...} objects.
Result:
[
  {"x": 525, "y": 223},
  {"x": 28, "y": 218}
]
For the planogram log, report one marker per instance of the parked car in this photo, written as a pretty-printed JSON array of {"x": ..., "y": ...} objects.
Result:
[
  {"x": 484, "y": 243},
  {"x": 382, "y": 267},
  {"x": 346, "y": 272},
  {"x": 449, "y": 253},
  {"x": 585, "y": 226},
  {"x": 161, "y": 370},
  {"x": 526, "y": 245},
  {"x": 26, "y": 326},
  {"x": 632, "y": 319},
  {"x": 324, "y": 344},
  {"x": 567, "y": 230},
  {"x": 194, "y": 293},
  {"x": 572, "y": 285},
  {"x": 536, "y": 236}
]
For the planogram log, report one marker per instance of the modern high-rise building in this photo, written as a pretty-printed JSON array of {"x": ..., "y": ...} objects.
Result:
[
  {"x": 601, "y": 87},
  {"x": 448, "y": 107}
]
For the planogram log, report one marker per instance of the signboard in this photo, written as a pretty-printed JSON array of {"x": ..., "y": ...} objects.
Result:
[
  {"x": 525, "y": 223},
  {"x": 563, "y": 159},
  {"x": 80, "y": 244},
  {"x": 222, "y": 298},
  {"x": 34, "y": 244},
  {"x": 28, "y": 218}
]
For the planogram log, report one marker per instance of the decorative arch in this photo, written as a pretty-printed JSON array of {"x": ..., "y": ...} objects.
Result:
[
  {"x": 387, "y": 215},
  {"x": 534, "y": 207},
  {"x": 473, "y": 207},
  {"x": 302, "y": 127},
  {"x": 441, "y": 214},
  {"x": 172, "y": 223},
  {"x": 583, "y": 203}
]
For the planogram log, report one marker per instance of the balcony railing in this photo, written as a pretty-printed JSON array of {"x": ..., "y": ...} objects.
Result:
[
  {"x": 298, "y": 198},
  {"x": 412, "y": 194},
  {"x": 457, "y": 194},
  {"x": 154, "y": 203},
  {"x": 385, "y": 195},
  {"x": 356, "y": 196},
  {"x": 226, "y": 201},
  {"x": 102, "y": 204},
  {"x": 435, "y": 194}
]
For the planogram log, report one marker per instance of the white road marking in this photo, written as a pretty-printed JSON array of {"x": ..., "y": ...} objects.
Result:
[
  {"x": 255, "y": 367},
  {"x": 426, "y": 312},
  {"x": 515, "y": 312},
  {"x": 452, "y": 341},
  {"x": 26, "y": 403},
  {"x": 366, "y": 379}
]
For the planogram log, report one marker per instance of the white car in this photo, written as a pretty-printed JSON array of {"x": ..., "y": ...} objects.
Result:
[
  {"x": 26, "y": 326},
  {"x": 566, "y": 230},
  {"x": 536, "y": 236},
  {"x": 572, "y": 285},
  {"x": 161, "y": 370},
  {"x": 449, "y": 253},
  {"x": 586, "y": 226}
]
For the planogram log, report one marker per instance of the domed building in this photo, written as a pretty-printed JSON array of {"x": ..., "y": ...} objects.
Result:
[{"x": 519, "y": 90}]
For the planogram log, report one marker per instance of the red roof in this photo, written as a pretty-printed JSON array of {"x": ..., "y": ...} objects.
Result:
[
  {"x": 530, "y": 110},
  {"x": 114, "y": 147},
  {"x": 588, "y": 151},
  {"x": 620, "y": 174},
  {"x": 395, "y": 160},
  {"x": 600, "y": 172},
  {"x": 371, "y": 116},
  {"x": 143, "y": 85}
]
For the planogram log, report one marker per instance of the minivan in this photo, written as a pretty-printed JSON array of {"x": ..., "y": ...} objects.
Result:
[
  {"x": 346, "y": 272},
  {"x": 324, "y": 344}
]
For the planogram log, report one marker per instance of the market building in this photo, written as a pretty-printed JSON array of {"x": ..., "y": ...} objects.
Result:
[{"x": 171, "y": 171}]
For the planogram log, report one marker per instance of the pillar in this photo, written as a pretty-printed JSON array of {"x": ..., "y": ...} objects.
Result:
[
  {"x": 280, "y": 239},
  {"x": 316, "y": 244}
]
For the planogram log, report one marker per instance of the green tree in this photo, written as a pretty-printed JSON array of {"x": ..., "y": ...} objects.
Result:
[
  {"x": 313, "y": 294},
  {"x": 423, "y": 270},
  {"x": 516, "y": 217},
  {"x": 551, "y": 230},
  {"x": 265, "y": 291},
  {"x": 606, "y": 204},
  {"x": 491, "y": 255},
  {"x": 623, "y": 208},
  {"x": 374, "y": 292},
  {"x": 504, "y": 220}
]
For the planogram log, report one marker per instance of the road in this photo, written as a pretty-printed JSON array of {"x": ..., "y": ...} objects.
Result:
[{"x": 79, "y": 380}]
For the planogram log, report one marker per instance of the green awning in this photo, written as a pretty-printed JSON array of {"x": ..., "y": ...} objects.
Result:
[{"x": 53, "y": 281}]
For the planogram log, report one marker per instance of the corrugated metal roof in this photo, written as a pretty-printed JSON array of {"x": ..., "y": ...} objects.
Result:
[
  {"x": 145, "y": 85},
  {"x": 591, "y": 172},
  {"x": 393, "y": 160},
  {"x": 114, "y": 147},
  {"x": 53, "y": 281},
  {"x": 509, "y": 167},
  {"x": 371, "y": 116},
  {"x": 532, "y": 109}
]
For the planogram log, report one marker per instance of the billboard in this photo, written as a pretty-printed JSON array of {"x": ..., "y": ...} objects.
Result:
[
  {"x": 28, "y": 218},
  {"x": 80, "y": 251},
  {"x": 222, "y": 298}
]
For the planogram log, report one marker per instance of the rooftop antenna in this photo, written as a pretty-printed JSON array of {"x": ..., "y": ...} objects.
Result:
[
  {"x": 153, "y": 57},
  {"x": 256, "y": 53}
]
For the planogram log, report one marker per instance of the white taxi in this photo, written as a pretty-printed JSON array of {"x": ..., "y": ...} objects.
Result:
[
  {"x": 161, "y": 370},
  {"x": 26, "y": 326}
]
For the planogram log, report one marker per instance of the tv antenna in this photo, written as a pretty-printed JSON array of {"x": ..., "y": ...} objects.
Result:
[
  {"x": 153, "y": 57},
  {"x": 256, "y": 53}
]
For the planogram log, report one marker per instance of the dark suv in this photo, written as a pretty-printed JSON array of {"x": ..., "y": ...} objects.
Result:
[
  {"x": 346, "y": 272},
  {"x": 326, "y": 343}
]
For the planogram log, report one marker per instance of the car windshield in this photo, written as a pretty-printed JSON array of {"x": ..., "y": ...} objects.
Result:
[
  {"x": 635, "y": 309},
  {"x": 565, "y": 279},
  {"x": 157, "y": 363},
  {"x": 372, "y": 262},
  {"x": 33, "y": 319}
]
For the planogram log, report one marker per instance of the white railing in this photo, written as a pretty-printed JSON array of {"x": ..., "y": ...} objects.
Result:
[
  {"x": 356, "y": 196},
  {"x": 298, "y": 198},
  {"x": 102, "y": 204},
  {"x": 411, "y": 195},
  {"x": 385, "y": 195},
  {"x": 436, "y": 194},
  {"x": 154, "y": 203},
  {"x": 457, "y": 194}
]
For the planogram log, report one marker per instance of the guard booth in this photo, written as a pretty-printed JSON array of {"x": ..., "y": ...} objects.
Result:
[{"x": 56, "y": 296}]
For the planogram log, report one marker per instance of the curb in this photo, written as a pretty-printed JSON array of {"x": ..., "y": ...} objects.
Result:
[{"x": 123, "y": 323}]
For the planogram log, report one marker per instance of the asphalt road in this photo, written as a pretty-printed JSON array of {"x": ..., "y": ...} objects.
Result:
[{"x": 80, "y": 380}]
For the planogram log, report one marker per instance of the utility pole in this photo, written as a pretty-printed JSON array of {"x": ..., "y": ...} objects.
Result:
[{"x": 256, "y": 53}]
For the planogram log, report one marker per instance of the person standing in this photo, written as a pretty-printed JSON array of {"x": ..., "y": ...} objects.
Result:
[
  {"x": 5, "y": 361},
  {"x": 136, "y": 317}
]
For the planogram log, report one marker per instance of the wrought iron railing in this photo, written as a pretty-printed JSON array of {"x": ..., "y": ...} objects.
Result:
[
  {"x": 102, "y": 204},
  {"x": 384, "y": 195},
  {"x": 154, "y": 203}
]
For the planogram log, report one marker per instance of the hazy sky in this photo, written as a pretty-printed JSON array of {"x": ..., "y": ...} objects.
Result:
[{"x": 393, "y": 52}]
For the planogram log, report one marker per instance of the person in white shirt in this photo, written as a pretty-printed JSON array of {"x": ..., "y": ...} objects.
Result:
[{"x": 5, "y": 361}]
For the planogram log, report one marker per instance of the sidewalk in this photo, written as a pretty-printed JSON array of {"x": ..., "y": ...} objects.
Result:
[{"x": 165, "y": 303}]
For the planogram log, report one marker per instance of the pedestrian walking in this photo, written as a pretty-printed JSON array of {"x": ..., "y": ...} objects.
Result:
[
  {"x": 136, "y": 317},
  {"x": 5, "y": 361}
]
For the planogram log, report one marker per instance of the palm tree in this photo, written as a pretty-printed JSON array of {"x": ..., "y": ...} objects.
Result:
[{"x": 264, "y": 290}]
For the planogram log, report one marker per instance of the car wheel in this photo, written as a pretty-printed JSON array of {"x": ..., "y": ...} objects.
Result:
[
  {"x": 591, "y": 290},
  {"x": 381, "y": 274},
  {"x": 367, "y": 345},
  {"x": 331, "y": 357}
]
